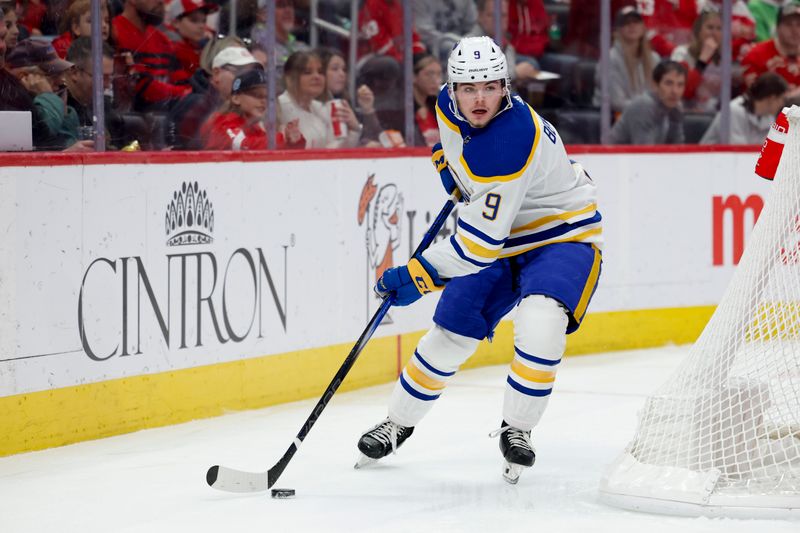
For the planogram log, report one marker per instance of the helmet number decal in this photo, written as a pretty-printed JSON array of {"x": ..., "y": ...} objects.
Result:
[
  {"x": 493, "y": 203},
  {"x": 477, "y": 54}
]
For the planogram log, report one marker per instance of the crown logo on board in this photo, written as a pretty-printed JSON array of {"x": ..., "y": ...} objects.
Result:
[{"x": 190, "y": 216}]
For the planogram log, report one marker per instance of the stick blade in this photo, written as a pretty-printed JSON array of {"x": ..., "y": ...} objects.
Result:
[{"x": 232, "y": 480}]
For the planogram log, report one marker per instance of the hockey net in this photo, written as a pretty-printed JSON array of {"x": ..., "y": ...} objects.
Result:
[{"x": 722, "y": 436}]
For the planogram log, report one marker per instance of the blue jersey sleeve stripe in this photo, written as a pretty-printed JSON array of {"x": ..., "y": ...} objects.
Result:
[
  {"x": 463, "y": 256},
  {"x": 431, "y": 368},
  {"x": 552, "y": 233},
  {"x": 478, "y": 233},
  {"x": 415, "y": 393},
  {"x": 534, "y": 359},
  {"x": 525, "y": 390}
]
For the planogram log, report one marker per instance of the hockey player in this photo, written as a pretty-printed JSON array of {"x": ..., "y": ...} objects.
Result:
[{"x": 528, "y": 236}]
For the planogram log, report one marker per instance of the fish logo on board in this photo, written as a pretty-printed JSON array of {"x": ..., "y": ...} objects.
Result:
[{"x": 380, "y": 211}]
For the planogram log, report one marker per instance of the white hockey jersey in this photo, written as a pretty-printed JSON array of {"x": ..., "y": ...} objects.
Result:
[{"x": 525, "y": 192}]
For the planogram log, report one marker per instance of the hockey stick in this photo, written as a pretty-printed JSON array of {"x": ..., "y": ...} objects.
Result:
[{"x": 231, "y": 480}]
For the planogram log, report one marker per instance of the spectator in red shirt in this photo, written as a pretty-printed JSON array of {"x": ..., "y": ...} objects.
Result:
[
  {"x": 31, "y": 15},
  {"x": 78, "y": 23},
  {"x": 583, "y": 27},
  {"x": 701, "y": 57},
  {"x": 781, "y": 54},
  {"x": 528, "y": 25},
  {"x": 211, "y": 87},
  {"x": 153, "y": 59},
  {"x": 187, "y": 31},
  {"x": 380, "y": 26},
  {"x": 669, "y": 22},
  {"x": 239, "y": 124}
]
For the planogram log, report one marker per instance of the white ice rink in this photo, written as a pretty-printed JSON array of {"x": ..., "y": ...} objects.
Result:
[{"x": 445, "y": 478}]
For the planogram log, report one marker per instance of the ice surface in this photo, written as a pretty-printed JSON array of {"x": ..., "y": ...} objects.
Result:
[{"x": 447, "y": 477}]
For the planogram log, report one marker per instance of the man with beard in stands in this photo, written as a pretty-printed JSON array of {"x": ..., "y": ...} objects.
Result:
[{"x": 148, "y": 53}]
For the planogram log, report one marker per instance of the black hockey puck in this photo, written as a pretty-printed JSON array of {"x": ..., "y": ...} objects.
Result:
[{"x": 283, "y": 493}]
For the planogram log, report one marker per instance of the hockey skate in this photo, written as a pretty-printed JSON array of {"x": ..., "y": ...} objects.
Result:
[
  {"x": 380, "y": 441},
  {"x": 517, "y": 451}
]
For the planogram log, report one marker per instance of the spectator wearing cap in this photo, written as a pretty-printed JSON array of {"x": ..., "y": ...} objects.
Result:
[
  {"x": 442, "y": 24},
  {"x": 780, "y": 54},
  {"x": 752, "y": 113},
  {"x": 239, "y": 124},
  {"x": 521, "y": 70},
  {"x": 305, "y": 83},
  {"x": 655, "y": 117},
  {"x": 41, "y": 71},
  {"x": 286, "y": 43},
  {"x": 701, "y": 57},
  {"x": 187, "y": 30},
  {"x": 210, "y": 89},
  {"x": 153, "y": 60},
  {"x": 631, "y": 61},
  {"x": 765, "y": 13},
  {"x": 78, "y": 23}
]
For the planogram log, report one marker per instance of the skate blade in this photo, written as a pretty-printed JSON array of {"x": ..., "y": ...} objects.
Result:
[
  {"x": 364, "y": 461},
  {"x": 511, "y": 472}
]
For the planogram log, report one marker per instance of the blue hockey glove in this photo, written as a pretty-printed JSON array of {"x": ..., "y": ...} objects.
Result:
[
  {"x": 408, "y": 283},
  {"x": 440, "y": 163}
]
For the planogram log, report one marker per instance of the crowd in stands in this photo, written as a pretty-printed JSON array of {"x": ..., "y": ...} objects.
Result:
[{"x": 174, "y": 79}]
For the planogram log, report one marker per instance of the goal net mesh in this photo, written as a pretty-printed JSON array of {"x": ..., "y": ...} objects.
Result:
[{"x": 725, "y": 428}]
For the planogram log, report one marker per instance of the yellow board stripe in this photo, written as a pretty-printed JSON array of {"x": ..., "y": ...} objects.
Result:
[
  {"x": 535, "y": 376},
  {"x": 546, "y": 220},
  {"x": 477, "y": 249},
  {"x": 515, "y": 175},
  {"x": 44, "y": 419},
  {"x": 574, "y": 238},
  {"x": 580, "y": 309},
  {"x": 423, "y": 379}
]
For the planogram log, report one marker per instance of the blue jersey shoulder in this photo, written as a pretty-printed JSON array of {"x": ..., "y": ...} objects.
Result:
[{"x": 501, "y": 149}]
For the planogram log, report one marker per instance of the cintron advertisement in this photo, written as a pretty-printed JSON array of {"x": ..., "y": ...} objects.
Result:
[{"x": 252, "y": 279}]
